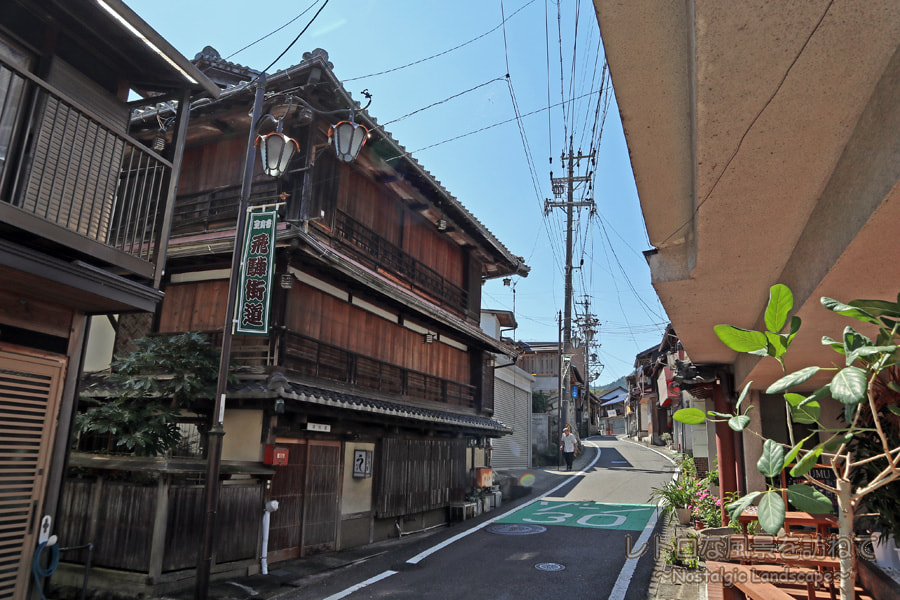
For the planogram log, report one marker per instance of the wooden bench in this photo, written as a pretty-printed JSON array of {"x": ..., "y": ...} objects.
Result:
[
  {"x": 792, "y": 518},
  {"x": 729, "y": 581}
]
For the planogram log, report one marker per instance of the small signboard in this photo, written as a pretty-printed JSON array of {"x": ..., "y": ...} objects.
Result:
[
  {"x": 821, "y": 472},
  {"x": 258, "y": 265},
  {"x": 318, "y": 427},
  {"x": 362, "y": 463}
]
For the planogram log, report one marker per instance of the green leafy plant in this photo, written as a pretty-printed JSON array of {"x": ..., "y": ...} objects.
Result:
[
  {"x": 868, "y": 365},
  {"x": 680, "y": 492},
  {"x": 682, "y": 552},
  {"x": 153, "y": 385},
  {"x": 540, "y": 403}
]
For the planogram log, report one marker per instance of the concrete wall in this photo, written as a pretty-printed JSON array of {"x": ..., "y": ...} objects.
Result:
[{"x": 540, "y": 432}]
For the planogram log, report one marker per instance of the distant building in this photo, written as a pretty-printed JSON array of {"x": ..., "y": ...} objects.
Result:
[
  {"x": 512, "y": 398},
  {"x": 611, "y": 416}
]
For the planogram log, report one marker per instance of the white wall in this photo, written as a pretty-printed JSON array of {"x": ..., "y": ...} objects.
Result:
[{"x": 99, "y": 350}]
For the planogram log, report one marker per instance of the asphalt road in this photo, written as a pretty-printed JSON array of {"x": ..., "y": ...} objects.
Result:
[{"x": 571, "y": 542}]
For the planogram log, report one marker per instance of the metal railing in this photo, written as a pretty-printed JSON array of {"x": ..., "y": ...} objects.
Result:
[{"x": 65, "y": 165}]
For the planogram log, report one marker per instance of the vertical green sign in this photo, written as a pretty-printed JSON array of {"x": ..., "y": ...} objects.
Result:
[{"x": 257, "y": 267}]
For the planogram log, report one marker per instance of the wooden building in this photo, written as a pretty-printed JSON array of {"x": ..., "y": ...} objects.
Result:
[
  {"x": 84, "y": 215},
  {"x": 369, "y": 397}
]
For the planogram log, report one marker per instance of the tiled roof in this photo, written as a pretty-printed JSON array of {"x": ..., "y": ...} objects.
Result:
[{"x": 289, "y": 390}]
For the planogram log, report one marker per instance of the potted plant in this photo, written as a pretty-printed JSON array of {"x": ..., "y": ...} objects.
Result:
[{"x": 675, "y": 496}]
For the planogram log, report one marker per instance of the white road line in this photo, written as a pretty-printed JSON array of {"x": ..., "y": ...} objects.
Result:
[
  {"x": 623, "y": 581},
  {"x": 361, "y": 585},
  {"x": 418, "y": 557}
]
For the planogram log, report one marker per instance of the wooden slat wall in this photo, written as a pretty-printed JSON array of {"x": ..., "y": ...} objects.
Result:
[
  {"x": 424, "y": 242},
  {"x": 415, "y": 476},
  {"x": 213, "y": 165},
  {"x": 374, "y": 208},
  {"x": 333, "y": 321},
  {"x": 197, "y": 306},
  {"x": 123, "y": 535},
  {"x": 322, "y": 515},
  {"x": 389, "y": 217},
  {"x": 288, "y": 489},
  {"x": 125, "y": 531}
]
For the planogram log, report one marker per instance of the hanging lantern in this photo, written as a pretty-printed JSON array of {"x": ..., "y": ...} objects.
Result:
[
  {"x": 349, "y": 139},
  {"x": 276, "y": 151}
]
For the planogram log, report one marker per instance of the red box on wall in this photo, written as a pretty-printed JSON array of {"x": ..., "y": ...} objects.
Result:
[
  {"x": 484, "y": 477},
  {"x": 275, "y": 455}
]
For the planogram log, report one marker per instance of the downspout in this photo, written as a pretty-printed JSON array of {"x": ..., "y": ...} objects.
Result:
[{"x": 271, "y": 506}]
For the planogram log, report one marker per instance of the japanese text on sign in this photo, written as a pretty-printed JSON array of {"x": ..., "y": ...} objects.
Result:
[{"x": 255, "y": 285}]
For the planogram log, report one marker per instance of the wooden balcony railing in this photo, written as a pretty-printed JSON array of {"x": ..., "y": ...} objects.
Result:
[
  {"x": 76, "y": 178},
  {"x": 318, "y": 360},
  {"x": 376, "y": 249},
  {"x": 216, "y": 209}
]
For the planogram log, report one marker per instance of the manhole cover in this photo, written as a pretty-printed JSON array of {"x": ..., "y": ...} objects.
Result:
[
  {"x": 549, "y": 567},
  {"x": 515, "y": 529}
]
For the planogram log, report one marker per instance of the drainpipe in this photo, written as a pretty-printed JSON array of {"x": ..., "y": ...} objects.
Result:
[{"x": 271, "y": 506}]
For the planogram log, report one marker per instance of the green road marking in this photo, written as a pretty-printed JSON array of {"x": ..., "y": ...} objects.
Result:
[{"x": 593, "y": 515}]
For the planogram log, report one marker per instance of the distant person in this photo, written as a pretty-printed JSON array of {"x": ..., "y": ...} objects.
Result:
[{"x": 568, "y": 443}]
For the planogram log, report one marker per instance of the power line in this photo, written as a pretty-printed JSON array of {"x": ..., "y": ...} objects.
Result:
[
  {"x": 306, "y": 10},
  {"x": 464, "y": 44},
  {"x": 289, "y": 46}
]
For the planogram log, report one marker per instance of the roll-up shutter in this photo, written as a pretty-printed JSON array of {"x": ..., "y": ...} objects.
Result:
[{"x": 512, "y": 407}]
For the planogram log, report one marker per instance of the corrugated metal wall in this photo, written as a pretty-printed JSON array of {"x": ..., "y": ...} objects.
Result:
[{"x": 512, "y": 406}]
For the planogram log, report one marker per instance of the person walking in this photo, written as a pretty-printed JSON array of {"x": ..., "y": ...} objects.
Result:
[{"x": 568, "y": 443}]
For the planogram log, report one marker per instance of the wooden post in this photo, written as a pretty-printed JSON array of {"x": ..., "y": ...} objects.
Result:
[{"x": 160, "y": 522}]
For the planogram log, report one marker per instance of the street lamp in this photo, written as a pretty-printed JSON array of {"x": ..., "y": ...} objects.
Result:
[
  {"x": 276, "y": 150},
  {"x": 349, "y": 139}
]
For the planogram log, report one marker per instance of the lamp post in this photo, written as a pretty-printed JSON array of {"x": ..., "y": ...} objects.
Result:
[{"x": 276, "y": 150}]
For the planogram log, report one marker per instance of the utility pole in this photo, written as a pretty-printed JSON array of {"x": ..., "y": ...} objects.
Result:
[
  {"x": 561, "y": 186},
  {"x": 588, "y": 324}
]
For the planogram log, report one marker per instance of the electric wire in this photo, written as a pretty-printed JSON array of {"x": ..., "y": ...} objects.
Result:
[
  {"x": 306, "y": 10},
  {"x": 289, "y": 46},
  {"x": 527, "y": 148},
  {"x": 449, "y": 50},
  {"x": 547, "y": 47}
]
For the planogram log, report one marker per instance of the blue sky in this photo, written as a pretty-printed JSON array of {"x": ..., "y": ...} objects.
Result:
[{"x": 501, "y": 172}]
